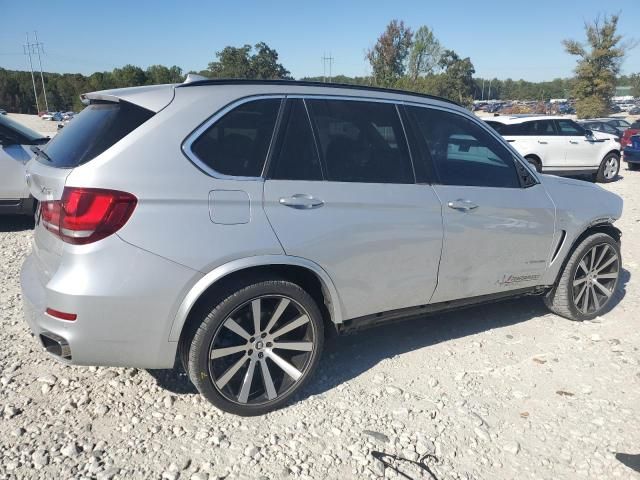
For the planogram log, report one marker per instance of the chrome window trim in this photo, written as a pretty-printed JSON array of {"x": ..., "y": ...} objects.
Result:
[{"x": 193, "y": 136}]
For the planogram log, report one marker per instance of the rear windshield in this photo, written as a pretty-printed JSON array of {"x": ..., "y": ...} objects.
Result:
[{"x": 94, "y": 130}]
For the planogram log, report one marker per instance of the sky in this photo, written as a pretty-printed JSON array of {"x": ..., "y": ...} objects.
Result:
[{"x": 504, "y": 39}]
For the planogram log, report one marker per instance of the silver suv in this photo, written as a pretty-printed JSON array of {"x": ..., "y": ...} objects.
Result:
[{"x": 233, "y": 224}]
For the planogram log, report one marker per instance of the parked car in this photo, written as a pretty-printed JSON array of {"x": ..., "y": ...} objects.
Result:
[
  {"x": 565, "y": 109},
  {"x": 558, "y": 145},
  {"x": 601, "y": 126},
  {"x": 619, "y": 123},
  {"x": 47, "y": 115},
  {"x": 231, "y": 224},
  {"x": 634, "y": 111},
  {"x": 632, "y": 153},
  {"x": 634, "y": 129},
  {"x": 16, "y": 141},
  {"x": 3, "y": 112}
]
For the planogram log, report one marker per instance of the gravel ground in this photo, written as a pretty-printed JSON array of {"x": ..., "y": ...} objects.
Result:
[{"x": 503, "y": 391}]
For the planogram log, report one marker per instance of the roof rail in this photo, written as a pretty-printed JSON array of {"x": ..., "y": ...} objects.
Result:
[{"x": 302, "y": 83}]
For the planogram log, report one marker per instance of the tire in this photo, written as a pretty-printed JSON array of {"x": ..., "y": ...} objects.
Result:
[
  {"x": 535, "y": 161},
  {"x": 633, "y": 166},
  {"x": 609, "y": 168},
  {"x": 247, "y": 372},
  {"x": 567, "y": 298}
]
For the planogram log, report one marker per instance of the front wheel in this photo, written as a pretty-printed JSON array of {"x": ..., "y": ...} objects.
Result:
[
  {"x": 609, "y": 168},
  {"x": 257, "y": 348},
  {"x": 589, "y": 279}
]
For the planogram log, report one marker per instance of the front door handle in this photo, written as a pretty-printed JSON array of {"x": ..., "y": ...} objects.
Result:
[
  {"x": 542, "y": 142},
  {"x": 301, "y": 201},
  {"x": 574, "y": 142},
  {"x": 462, "y": 205}
]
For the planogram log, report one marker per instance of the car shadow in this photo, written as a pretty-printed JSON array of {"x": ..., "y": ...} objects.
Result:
[
  {"x": 16, "y": 223},
  {"x": 629, "y": 460},
  {"x": 347, "y": 357}
]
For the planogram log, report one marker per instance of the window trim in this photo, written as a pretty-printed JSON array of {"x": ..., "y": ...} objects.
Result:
[{"x": 188, "y": 142}]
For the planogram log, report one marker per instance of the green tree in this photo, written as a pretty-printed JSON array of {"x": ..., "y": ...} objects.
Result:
[
  {"x": 634, "y": 81},
  {"x": 388, "y": 56},
  {"x": 129, "y": 76},
  {"x": 241, "y": 62},
  {"x": 456, "y": 83},
  {"x": 424, "y": 54},
  {"x": 159, "y": 74},
  {"x": 598, "y": 66}
]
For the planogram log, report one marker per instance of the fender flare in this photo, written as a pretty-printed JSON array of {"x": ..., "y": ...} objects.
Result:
[{"x": 192, "y": 296}]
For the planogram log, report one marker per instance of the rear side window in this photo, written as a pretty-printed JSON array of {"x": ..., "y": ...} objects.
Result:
[
  {"x": 238, "y": 143},
  {"x": 569, "y": 128},
  {"x": 361, "y": 141},
  {"x": 94, "y": 130},
  {"x": 296, "y": 158},
  {"x": 462, "y": 152}
]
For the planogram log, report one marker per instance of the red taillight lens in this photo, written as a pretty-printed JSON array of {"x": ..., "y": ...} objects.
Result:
[
  {"x": 86, "y": 215},
  {"x": 70, "y": 317}
]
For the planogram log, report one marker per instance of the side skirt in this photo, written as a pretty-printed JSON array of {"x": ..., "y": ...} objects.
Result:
[{"x": 402, "y": 314}]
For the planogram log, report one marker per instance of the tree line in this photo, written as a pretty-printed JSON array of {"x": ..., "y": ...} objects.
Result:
[{"x": 401, "y": 58}]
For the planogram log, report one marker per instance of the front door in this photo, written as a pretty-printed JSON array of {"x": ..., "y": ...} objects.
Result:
[
  {"x": 581, "y": 152},
  {"x": 497, "y": 233},
  {"x": 346, "y": 199}
]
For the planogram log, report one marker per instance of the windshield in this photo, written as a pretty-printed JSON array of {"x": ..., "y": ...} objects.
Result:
[
  {"x": 94, "y": 130},
  {"x": 26, "y": 133}
]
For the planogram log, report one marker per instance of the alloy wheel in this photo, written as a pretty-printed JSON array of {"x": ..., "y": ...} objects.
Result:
[
  {"x": 595, "y": 278},
  {"x": 262, "y": 350},
  {"x": 611, "y": 168}
]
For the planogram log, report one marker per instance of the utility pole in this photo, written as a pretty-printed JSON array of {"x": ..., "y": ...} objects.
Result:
[
  {"x": 483, "y": 89},
  {"x": 40, "y": 46},
  {"x": 27, "y": 51},
  {"x": 489, "y": 94},
  {"x": 326, "y": 60}
]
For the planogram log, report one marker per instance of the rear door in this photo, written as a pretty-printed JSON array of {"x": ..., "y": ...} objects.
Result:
[
  {"x": 346, "y": 199},
  {"x": 497, "y": 232}
]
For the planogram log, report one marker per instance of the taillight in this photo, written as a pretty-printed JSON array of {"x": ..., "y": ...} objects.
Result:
[{"x": 86, "y": 215}]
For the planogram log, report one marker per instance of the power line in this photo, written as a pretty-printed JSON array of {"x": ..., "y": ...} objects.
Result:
[
  {"x": 326, "y": 60},
  {"x": 35, "y": 49}
]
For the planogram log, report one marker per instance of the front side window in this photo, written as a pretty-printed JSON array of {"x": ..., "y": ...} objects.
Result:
[
  {"x": 361, "y": 141},
  {"x": 462, "y": 152},
  {"x": 237, "y": 144},
  {"x": 569, "y": 128}
]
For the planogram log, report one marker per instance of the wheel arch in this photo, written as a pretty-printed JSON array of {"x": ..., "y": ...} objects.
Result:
[
  {"x": 604, "y": 227},
  {"x": 301, "y": 271}
]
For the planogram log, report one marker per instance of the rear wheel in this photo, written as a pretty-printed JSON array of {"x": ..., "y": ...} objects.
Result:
[
  {"x": 609, "y": 168},
  {"x": 257, "y": 348},
  {"x": 589, "y": 279}
]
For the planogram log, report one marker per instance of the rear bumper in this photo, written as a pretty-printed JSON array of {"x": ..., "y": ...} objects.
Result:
[
  {"x": 20, "y": 206},
  {"x": 125, "y": 299}
]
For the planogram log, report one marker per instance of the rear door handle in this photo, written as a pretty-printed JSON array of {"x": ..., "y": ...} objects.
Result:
[
  {"x": 574, "y": 142},
  {"x": 541, "y": 142},
  {"x": 301, "y": 201},
  {"x": 462, "y": 205}
]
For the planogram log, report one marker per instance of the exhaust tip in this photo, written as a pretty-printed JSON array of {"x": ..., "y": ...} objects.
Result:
[{"x": 55, "y": 345}]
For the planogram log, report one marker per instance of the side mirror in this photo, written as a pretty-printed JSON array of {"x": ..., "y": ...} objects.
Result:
[{"x": 588, "y": 133}]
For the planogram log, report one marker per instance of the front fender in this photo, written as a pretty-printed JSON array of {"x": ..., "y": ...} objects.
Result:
[{"x": 222, "y": 271}]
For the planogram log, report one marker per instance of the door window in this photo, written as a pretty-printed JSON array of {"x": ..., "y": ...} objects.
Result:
[
  {"x": 237, "y": 144},
  {"x": 361, "y": 141},
  {"x": 569, "y": 128},
  {"x": 462, "y": 152},
  {"x": 296, "y": 157}
]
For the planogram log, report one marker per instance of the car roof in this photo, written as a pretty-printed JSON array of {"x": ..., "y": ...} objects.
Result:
[{"x": 156, "y": 97}]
